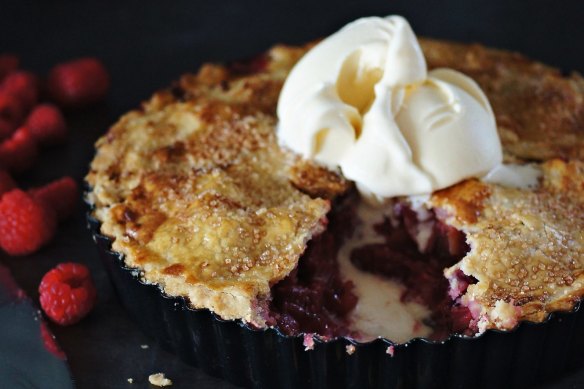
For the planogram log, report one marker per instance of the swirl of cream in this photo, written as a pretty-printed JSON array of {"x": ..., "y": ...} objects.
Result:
[{"x": 363, "y": 101}]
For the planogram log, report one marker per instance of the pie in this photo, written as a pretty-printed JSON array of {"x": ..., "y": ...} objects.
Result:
[{"x": 197, "y": 195}]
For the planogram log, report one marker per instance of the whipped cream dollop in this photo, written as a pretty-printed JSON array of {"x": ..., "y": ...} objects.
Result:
[{"x": 362, "y": 100}]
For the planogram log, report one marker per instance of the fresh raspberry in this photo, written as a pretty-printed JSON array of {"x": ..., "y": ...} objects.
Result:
[
  {"x": 24, "y": 86},
  {"x": 6, "y": 183},
  {"x": 10, "y": 289},
  {"x": 50, "y": 342},
  {"x": 8, "y": 64},
  {"x": 46, "y": 124},
  {"x": 78, "y": 83},
  {"x": 19, "y": 152},
  {"x": 67, "y": 293},
  {"x": 6, "y": 129},
  {"x": 11, "y": 109},
  {"x": 60, "y": 195},
  {"x": 25, "y": 224}
]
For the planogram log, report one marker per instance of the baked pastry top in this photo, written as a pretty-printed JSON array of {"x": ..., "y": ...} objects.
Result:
[
  {"x": 539, "y": 112},
  {"x": 526, "y": 247},
  {"x": 196, "y": 193}
]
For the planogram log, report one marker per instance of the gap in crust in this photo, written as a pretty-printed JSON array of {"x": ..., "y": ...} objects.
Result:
[{"x": 316, "y": 298}]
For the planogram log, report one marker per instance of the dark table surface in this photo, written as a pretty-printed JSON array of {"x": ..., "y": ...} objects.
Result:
[{"x": 147, "y": 44}]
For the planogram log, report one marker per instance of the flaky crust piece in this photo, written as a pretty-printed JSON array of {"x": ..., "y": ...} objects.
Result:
[
  {"x": 527, "y": 246},
  {"x": 195, "y": 192}
]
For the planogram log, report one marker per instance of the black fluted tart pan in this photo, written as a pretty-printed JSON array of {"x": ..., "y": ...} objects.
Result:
[{"x": 531, "y": 354}]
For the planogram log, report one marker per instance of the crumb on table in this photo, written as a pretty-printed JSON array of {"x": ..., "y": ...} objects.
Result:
[{"x": 159, "y": 379}]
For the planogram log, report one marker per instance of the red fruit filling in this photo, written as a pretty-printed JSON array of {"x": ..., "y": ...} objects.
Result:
[
  {"x": 315, "y": 298},
  {"x": 420, "y": 269}
]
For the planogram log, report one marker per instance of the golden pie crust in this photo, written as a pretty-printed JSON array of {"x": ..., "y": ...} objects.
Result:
[
  {"x": 527, "y": 246},
  {"x": 196, "y": 193}
]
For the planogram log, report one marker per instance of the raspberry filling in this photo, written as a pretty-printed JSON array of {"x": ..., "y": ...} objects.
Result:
[
  {"x": 411, "y": 248},
  {"x": 314, "y": 298},
  {"x": 418, "y": 263}
]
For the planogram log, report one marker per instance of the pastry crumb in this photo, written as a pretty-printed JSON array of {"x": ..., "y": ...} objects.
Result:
[
  {"x": 130, "y": 380},
  {"x": 159, "y": 379},
  {"x": 308, "y": 342},
  {"x": 350, "y": 349},
  {"x": 144, "y": 346}
]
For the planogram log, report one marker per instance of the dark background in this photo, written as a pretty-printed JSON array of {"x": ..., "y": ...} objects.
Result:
[{"x": 146, "y": 45}]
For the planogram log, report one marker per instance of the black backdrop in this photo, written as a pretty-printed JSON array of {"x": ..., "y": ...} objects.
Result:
[{"x": 146, "y": 44}]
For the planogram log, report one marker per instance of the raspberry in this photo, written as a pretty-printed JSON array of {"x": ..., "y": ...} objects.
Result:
[
  {"x": 67, "y": 293},
  {"x": 8, "y": 64},
  {"x": 50, "y": 342},
  {"x": 11, "y": 108},
  {"x": 25, "y": 224},
  {"x": 6, "y": 129},
  {"x": 19, "y": 152},
  {"x": 24, "y": 86},
  {"x": 78, "y": 83},
  {"x": 6, "y": 183},
  {"x": 60, "y": 195},
  {"x": 46, "y": 124}
]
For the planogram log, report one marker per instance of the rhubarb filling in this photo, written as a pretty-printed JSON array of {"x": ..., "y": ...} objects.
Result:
[{"x": 377, "y": 272}]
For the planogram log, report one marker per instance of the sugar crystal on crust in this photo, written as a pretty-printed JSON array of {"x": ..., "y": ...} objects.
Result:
[{"x": 527, "y": 246}]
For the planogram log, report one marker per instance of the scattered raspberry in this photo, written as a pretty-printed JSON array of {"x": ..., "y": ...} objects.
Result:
[
  {"x": 6, "y": 129},
  {"x": 60, "y": 195},
  {"x": 10, "y": 290},
  {"x": 24, "y": 86},
  {"x": 46, "y": 124},
  {"x": 25, "y": 224},
  {"x": 50, "y": 342},
  {"x": 461, "y": 318},
  {"x": 67, "y": 293},
  {"x": 8, "y": 64},
  {"x": 11, "y": 109},
  {"x": 79, "y": 82},
  {"x": 19, "y": 152},
  {"x": 6, "y": 183}
]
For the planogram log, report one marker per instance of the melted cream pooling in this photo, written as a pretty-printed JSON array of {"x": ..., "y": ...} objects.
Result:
[
  {"x": 379, "y": 311},
  {"x": 515, "y": 176}
]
